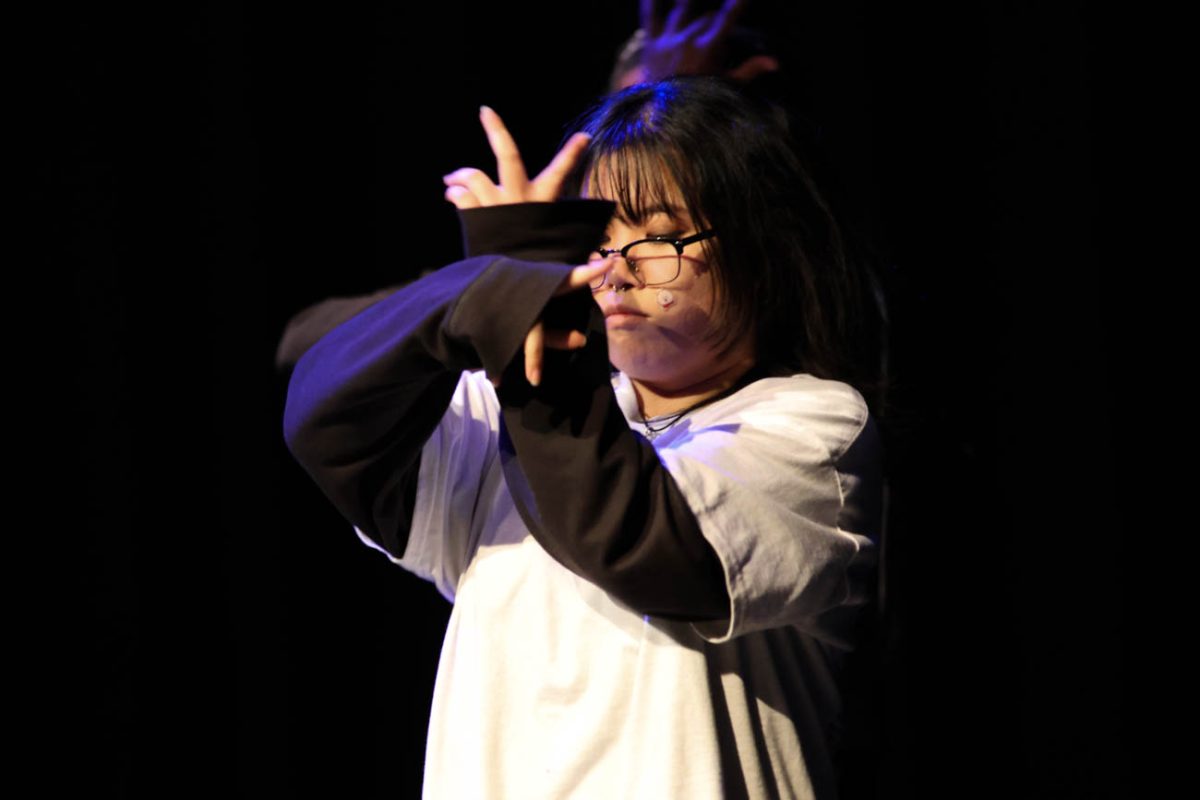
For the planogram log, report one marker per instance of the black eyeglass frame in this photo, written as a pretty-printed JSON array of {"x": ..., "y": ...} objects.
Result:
[{"x": 679, "y": 244}]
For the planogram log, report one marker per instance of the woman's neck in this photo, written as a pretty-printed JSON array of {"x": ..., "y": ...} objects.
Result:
[{"x": 654, "y": 400}]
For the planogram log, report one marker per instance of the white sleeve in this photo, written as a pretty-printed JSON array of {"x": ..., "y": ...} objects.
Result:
[
  {"x": 455, "y": 463},
  {"x": 784, "y": 479}
]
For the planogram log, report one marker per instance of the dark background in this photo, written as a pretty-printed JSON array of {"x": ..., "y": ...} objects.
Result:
[{"x": 223, "y": 166}]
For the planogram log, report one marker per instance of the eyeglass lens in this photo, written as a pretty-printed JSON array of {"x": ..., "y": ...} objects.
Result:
[{"x": 653, "y": 262}]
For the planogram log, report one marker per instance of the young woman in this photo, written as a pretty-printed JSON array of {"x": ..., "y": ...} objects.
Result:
[{"x": 655, "y": 573}]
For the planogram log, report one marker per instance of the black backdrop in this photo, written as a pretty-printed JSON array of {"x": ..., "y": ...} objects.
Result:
[{"x": 223, "y": 166}]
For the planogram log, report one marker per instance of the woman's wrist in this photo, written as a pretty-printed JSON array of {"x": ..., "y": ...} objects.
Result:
[{"x": 565, "y": 231}]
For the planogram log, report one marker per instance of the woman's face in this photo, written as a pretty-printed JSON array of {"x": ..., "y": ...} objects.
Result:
[{"x": 661, "y": 335}]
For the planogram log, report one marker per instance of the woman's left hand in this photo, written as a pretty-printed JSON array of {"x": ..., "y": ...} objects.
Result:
[
  {"x": 540, "y": 338},
  {"x": 471, "y": 188}
]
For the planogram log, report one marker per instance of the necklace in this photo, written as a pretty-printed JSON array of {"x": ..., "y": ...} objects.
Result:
[{"x": 653, "y": 433}]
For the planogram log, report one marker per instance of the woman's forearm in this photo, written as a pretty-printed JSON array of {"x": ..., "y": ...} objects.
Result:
[{"x": 363, "y": 401}]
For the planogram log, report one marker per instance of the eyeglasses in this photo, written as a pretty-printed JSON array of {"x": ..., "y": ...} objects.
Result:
[{"x": 654, "y": 261}]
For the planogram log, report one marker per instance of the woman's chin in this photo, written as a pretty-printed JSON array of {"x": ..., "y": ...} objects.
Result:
[{"x": 645, "y": 367}]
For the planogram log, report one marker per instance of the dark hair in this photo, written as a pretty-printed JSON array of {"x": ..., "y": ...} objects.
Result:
[{"x": 781, "y": 270}]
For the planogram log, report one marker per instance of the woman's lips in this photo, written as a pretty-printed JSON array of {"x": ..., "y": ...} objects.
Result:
[
  {"x": 614, "y": 310},
  {"x": 621, "y": 316}
]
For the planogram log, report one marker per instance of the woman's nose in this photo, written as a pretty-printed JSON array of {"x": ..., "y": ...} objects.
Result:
[{"x": 620, "y": 275}]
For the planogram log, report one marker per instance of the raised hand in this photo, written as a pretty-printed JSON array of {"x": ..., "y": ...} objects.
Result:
[
  {"x": 471, "y": 188},
  {"x": 539, "y": 338},
  {"x": 681, "y": 42}
]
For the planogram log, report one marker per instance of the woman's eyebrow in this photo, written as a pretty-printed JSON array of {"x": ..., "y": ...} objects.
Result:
[
  {"x": 679, "y": 212},
  {"x": 675, "y": 212}
]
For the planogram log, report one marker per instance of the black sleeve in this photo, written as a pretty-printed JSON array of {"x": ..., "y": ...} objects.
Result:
[
  {"x": 308, "y": 326},
  {"x": 563, "y": 231},
  {"x": 364, "y": 399},
  {"x": 596, "y": 496}
]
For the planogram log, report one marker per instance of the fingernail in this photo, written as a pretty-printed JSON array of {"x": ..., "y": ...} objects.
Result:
[
  {"x": 535, "y": 377},
  {"x": 484, "y": 109}
]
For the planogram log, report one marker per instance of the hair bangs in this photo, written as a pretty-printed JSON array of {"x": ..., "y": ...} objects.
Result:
[
  {"x": 640, "y": 182},
  {"x": 634, "y": 160}
]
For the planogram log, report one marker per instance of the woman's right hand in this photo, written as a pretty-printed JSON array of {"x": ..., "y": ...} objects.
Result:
[{"x": 472, "y": 188}]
